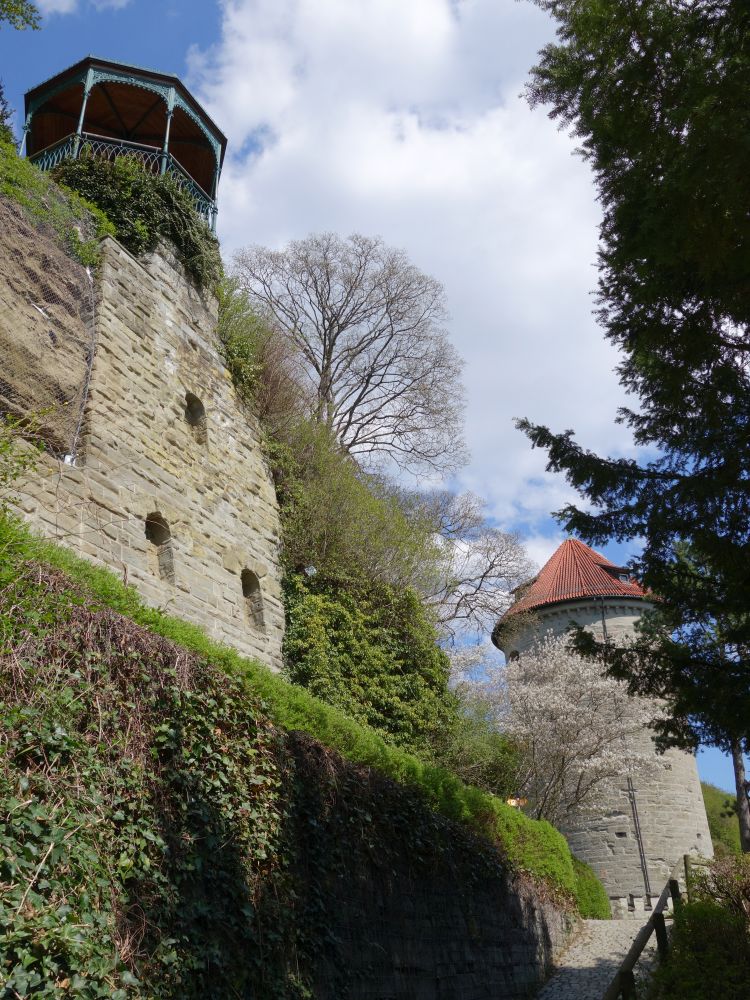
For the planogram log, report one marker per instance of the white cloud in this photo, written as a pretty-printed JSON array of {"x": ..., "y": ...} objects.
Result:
[
  {"x": 404, "y": 120},
  {"x": 57, "y": 6},
  {"x": 71, "y": 6}
]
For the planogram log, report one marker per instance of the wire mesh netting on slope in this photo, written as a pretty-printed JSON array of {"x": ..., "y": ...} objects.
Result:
[{"x": 46, "y": 331}]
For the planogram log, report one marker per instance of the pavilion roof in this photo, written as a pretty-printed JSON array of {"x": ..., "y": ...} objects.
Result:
[{"x": 71, "y": 73}]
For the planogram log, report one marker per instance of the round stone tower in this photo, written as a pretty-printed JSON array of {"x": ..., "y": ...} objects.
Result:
[{"x": 650, "y": 821}]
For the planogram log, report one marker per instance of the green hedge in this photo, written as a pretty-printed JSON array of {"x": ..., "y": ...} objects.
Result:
[
  {"x": 591, "y": 896},
  {"x": 533, "y": 847}
]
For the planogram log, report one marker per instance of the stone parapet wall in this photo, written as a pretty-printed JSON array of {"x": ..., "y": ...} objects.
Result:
[{"x": 170, "y": 487}]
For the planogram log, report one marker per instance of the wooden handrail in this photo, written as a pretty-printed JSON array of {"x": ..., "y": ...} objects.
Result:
[{"x": 622, "y": 986}]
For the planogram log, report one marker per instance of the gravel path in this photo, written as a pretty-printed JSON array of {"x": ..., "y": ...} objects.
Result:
[{"x": 586, "y": 969}]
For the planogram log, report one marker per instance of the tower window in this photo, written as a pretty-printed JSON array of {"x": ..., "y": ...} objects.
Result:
[
  {"x": 195, "y": 414},
  {"x": 253, "y": 598},
  {"x": 160, "y": 538}
]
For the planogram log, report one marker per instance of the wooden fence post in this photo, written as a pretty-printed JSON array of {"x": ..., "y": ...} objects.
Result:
[
  {"x": 674, "y": 890},
  {"x": 662, "y": 939},
  {"x": 627, "y": 985}
]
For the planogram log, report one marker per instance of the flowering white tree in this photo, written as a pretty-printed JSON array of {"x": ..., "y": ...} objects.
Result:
[{"x": 579, "y": 733}]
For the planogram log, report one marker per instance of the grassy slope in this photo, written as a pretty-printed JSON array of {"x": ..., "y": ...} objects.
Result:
[
  {"x": 535, "y": 848},
  {"x": 77, "y": 224},
  {"x": 725, "y": 829},
  {"x": 591, "y": 896}
]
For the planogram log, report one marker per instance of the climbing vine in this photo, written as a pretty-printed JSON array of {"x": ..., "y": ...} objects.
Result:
[
  {"x": 142, "y": 813},
  {"x": 374, "y": 656},
  {"x": 144, "y": 207}
]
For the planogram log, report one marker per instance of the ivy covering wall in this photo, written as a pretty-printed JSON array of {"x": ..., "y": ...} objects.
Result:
[
  {"x": 144, "y": 208},
  {"x": 374, "y": 655},
  {"x": 153, "y": 811},
  {"x": 143, "y": 755}
]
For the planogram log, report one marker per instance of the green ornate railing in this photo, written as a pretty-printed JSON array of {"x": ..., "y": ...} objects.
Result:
[{"x": 153, "y": 159}]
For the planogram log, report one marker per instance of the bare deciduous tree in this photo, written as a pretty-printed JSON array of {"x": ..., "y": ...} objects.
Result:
[
  {"x": 368, "y": 331},
  {"x": 471, "y": 586}
]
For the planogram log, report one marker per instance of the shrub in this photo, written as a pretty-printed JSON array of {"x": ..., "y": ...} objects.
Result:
[
  {"x": 77, "y": 223},
  {"x": 723, "y": 822},
  {"x": 258, "y": 357},
  {"x": 709, "y": 956},
  {"x": 593, "y": 902},
  {"x": 344, "y": 522},
  {"x": 725, "y": 881},
  {"x": 476, "y": 752},
  {"x": 144, "y": 207},
  {"x": 241, "y": 332},
  {"x": 373, "y": 655}
]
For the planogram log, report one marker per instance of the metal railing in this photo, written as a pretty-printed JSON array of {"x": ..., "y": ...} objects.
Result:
[
  {"x": 48, "y": 158},
  {"x": 204, "y": 205},
  {"x": 153, "y": 158}
]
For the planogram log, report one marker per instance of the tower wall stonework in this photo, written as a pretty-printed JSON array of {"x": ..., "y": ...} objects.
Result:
[
  {"x": 169, "y": 486},
  {"x": 620, "y": 616},
  {"x": 662, "y": 813}
]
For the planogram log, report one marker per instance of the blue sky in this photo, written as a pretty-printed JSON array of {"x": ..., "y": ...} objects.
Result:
[
  {"x": 147, "y": 32},
  {"x": 401, "y": 120}
]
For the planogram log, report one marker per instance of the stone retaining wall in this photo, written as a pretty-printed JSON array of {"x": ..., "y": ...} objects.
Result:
[{"x": 414, "y": 906}]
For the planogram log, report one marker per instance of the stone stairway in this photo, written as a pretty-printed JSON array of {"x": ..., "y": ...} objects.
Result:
[{"x": 586, "y": 968}]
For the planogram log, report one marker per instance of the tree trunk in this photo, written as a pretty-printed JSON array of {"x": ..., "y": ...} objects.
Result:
[{"x": 743, "y": 805}]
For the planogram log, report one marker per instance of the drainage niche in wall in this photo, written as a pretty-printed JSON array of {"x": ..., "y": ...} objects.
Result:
[
  {"x": 160, "y": 538},
  {"x": 253, "y": 598},
  {"x": 195, "y": 414}
]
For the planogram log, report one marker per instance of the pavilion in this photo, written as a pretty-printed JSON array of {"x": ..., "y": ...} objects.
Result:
[{"x": 113, "y": 109}]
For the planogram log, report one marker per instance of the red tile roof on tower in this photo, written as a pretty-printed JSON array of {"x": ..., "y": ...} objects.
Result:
[{"x": 575, "y": 572}]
